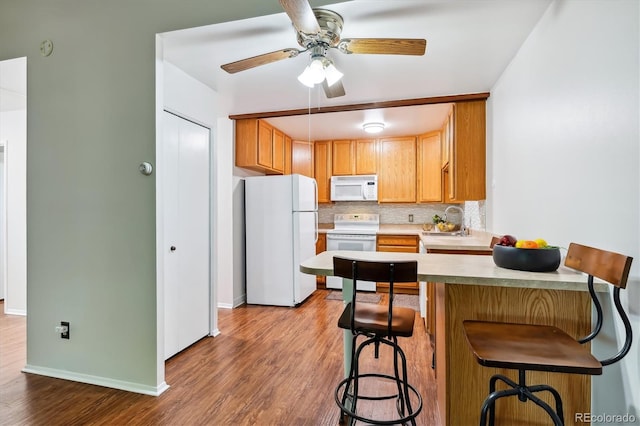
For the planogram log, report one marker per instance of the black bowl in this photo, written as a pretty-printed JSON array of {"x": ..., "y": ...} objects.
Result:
[{"x": 525, "y": 259}]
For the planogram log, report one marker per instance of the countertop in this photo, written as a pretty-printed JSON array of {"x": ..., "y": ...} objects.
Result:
[
  {"x": 461, "y": 269},
  {"x": 476, "y": 240}
]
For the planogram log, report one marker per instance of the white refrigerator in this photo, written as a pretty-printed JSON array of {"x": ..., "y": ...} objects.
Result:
[{"x": 281, "y": 223}]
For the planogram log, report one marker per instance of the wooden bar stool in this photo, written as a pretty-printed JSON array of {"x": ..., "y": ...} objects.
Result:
[
  {"x": 526, "y": 347},
  {"x": 379, "y": 324}
]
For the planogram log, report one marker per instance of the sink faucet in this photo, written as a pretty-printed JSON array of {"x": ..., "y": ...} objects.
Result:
[{"x": 462, "y": 231}]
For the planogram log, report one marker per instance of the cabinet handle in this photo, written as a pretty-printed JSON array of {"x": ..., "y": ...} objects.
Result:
[{"x": 173, "y": 248}]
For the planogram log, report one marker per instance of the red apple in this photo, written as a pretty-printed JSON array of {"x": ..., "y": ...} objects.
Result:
[{"x": 508, "y": 240}]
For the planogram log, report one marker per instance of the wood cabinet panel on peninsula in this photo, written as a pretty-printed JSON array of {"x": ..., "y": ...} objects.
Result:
[
  {"x": 259, "y": 146},
  {"x": 398, "y": 243}
]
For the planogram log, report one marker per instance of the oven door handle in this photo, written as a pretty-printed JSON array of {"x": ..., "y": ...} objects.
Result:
[{"x": 362, "y": 238}]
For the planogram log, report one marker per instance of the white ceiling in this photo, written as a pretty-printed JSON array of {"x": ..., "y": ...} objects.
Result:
[{"x": 469, "y": 44}]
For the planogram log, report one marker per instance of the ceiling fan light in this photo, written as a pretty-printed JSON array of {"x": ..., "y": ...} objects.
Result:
[
  {"x": 373, "y": 127},
  {"x": 313, "y": 74},
  {"x": 332, "y": 74},
  {"x": 316, "y": 71},
  {"x": 305, "y": 78}
]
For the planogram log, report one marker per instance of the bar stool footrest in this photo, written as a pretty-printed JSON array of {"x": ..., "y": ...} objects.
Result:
[{"x": 349, "y": 410}]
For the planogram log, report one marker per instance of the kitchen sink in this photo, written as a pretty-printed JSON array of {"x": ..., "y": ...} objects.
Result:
[{"x": 442, "y": 234}]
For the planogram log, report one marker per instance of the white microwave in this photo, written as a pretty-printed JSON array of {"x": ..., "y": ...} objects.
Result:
[{"x": 354, "y": 188}]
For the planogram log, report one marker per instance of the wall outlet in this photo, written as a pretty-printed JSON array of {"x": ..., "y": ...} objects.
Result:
[
  {"x": 410, "y": 218},
  {"x": 64, "y": 329}
]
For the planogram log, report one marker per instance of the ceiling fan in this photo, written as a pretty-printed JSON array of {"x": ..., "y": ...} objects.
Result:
[{"x": 318, "y": 30}]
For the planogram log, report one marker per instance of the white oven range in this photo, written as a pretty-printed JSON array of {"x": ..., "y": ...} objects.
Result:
[{"x": 356, "y": 232}]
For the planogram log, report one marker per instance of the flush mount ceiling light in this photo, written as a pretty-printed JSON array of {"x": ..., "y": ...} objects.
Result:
[
  {"x": 373, "y": 127},
  {"x": 320, "y": 69}
]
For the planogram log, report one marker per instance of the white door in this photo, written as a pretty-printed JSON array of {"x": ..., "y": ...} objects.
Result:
[
  {"x": 2, "y": 222},
  {"x": 186, "y": 232}
]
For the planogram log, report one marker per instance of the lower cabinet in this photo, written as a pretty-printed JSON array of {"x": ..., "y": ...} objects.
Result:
[
  {"x": 321, "y": 245},
  {"x": 398, "y": 243}
]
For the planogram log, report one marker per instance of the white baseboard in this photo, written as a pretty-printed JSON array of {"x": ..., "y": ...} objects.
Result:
[
  {"x": 240, "y": 300},
  {"x": 21, "y": 312},
  {"x": 97, "y": 380}
]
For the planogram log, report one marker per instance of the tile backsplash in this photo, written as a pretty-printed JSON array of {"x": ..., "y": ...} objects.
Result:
[{"x": 399, "y": 213}]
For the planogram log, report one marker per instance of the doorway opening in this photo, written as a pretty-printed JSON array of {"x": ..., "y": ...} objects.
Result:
[{"x": 13, "y": 185}]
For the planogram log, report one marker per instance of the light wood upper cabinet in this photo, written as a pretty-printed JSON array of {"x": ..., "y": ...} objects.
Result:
[
  {"x": 429, "y": 167},
  {"x": 322, "y": 170},
  {"x": 288, "y": 154},
  {"x": 366, "y": 157},
  {"x": 343, "y": 157},
  {"x": 447, "y": 137},
  {"x": 467, "y": 155},
  {"x": 302, "y": 158},
  {"x": 259, "y": 146},
  {"x": 265, "y": 144},
  {"x": 278, "y": 150},
  {"x": 354, "y": 157},
  {"x": 397, "y": 170}
]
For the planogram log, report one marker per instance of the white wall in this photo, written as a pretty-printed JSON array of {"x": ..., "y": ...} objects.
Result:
[
  {"x": 13, "y": 130},
  {"x": 563, "y": 127}
]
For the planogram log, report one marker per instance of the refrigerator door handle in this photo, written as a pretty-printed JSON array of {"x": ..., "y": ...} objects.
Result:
[
  {"x": 315, "y": 185},
  {"x": 316, "y": 213}
]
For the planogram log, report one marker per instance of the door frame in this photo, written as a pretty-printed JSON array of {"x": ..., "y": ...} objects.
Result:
[
  {"x": 3, "y": 222},
  {"x": 161, "y": 240}
]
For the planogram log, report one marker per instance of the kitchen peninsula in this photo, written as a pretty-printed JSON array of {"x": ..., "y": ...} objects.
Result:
[{"x": 472, "y": 287}]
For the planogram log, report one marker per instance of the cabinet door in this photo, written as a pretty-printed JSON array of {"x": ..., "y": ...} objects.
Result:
[
  {"x": 429, "y": 168},
  {"x": 397, "y": 170},
  {"x": 265, "y": 144},
  {"x": 366, "y": 157},
  {"x": 447, "y": 137},
  {"x": 302, "y": 158},
  {"x": 321, "y": 245},
  {"x": 398, "y": 244},
  {"x": 342, "y": 158},
  {"x": 467, "y": 158},
  {"x": 288, "y": 154},
  {"x": 322, "y": 170},
  {"x": 278, "y": 150}
]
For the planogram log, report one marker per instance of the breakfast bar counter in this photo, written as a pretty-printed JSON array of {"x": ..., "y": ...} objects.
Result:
[{"x": 473, "y": 287}]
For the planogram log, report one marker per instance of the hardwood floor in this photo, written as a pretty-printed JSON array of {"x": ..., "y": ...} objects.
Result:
[{"x": 270, "y": 366}]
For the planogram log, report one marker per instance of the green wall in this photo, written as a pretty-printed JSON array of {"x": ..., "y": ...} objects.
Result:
[{"x": 91, "y": 111}]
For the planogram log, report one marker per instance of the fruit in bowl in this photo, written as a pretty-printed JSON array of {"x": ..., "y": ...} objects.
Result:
[
  {"x": 526, "y": 255},
  {"x": 507, "y": 240},
  {"x": 447, "y": 227}
]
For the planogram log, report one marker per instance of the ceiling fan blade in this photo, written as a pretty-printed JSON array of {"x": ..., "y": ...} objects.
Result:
[
  {"x": 333, "y": 91},
  {"x": 255, "y": 61},
  {"x": 301, "y": 15},
  {"x": 384, "y": 46}
]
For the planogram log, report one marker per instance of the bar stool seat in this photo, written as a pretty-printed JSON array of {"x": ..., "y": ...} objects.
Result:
[
  {"x": 531, "y": 347},
  {"x": 534, "y": 347},
  {"x": 379, "y": 325}
]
